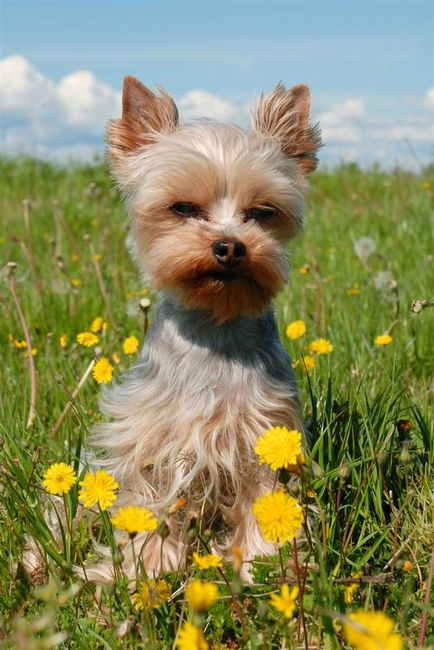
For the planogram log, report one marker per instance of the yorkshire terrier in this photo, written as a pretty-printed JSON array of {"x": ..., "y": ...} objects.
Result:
[{"x": 211, "y": 210}]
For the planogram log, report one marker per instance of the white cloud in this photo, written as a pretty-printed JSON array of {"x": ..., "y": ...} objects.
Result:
[
  {"x": 199, "y": 103},
  {"x": 429, "y": 98},
  {"x": 87, "y": 103},
  {"x": 340, "y": 122},
  {"x": 77, "y": 103},
  {"x": 67, "y": 118},
  {"x": 24, "y": 89}
]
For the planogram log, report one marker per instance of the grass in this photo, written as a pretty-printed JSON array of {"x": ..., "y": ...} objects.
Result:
[{"x": 368, "y": 481}]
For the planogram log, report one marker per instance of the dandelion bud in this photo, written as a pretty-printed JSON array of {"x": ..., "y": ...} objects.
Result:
[
  {"x": 123, "y": 629},
  {"x": 344, "y": 471},
  {"x": 118, "y": 556},
  {"x": 405, "y": 455},
  {"x": 237, "y": 558},
  {"x": 163, "y": 529},
  {"x": 207, "y": 535}
]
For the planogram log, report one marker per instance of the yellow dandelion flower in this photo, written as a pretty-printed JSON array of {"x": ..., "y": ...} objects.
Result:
[
  {"x": 201, "y": 595},
  {"x": 296, "y": 329},
  {"x": 279, "y": 448},
  {"x": 191, "y": 638},
  {"x": 97, "y": 257},
  {"x": 34, "y": 352},
  {"x": 102, "y": 371},
  {"x": 20, "y": 344},
  {"x": 383, "y": 340},
  {"x": 96, "y": 324},
  {"x": 350, "y": 592},
  {"x": 371, "y": 631},
  {"x": 286, "y": 602},
  {"x": 304, "y": 270},
  {"x": 88, "y": 339},
  {"x": 75, "y": 282},
  {"x": 134, "y": 519},
  {"x": 407, "y": 566},
  {"x": 279, "y": 516},
  {"x": 352, "y": 588},
  {"x": 59, "y": 478},
  {"x": 130, "y": 345},
  {"x": 98, "y": 488},
  {"x": 209, "y": 561},
  {"x": 308, "y": 362},
  {"x": 63, "y": 340},
  {"x": 151, "y": 594},
  {"x": 116, "y": 358},
  {"x": 354, "y": 290},
  {"x": 321, "y": 346}
]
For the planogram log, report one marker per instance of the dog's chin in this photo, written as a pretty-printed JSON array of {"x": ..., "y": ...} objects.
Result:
[{"x": 225, "y": 294}]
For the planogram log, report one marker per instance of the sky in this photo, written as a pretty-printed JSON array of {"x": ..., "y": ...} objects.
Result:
[{"x": 369, "y": 65}]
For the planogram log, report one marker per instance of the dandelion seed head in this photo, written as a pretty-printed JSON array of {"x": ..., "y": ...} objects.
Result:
[{"x": 364, "y": 247}]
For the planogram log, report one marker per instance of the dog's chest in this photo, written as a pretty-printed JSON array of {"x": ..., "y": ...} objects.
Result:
[{"x": 216, "y": 373}]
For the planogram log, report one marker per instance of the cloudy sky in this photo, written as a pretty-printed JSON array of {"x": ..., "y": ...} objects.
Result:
[{"x": 369, "y": 64}]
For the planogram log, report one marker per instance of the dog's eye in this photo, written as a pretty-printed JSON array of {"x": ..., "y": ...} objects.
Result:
[
  {"x": 259, "y": 214},
  {"x": 185, "y": 209}
]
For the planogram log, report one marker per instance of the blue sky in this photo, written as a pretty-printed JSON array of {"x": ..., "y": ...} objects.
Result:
[{"x": 369, "y": 64}]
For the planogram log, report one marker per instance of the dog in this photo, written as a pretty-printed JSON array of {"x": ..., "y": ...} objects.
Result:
[{"x": 211, "y": 210}]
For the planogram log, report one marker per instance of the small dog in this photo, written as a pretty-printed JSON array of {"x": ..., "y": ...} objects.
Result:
[{"x": 211, "y": 210}]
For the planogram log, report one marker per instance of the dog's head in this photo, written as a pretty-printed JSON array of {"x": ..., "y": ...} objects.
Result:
[{"x": 212, "y": 207}]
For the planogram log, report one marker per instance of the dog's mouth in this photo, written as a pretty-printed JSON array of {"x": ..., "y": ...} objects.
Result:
[{"x": 219, "y": 276}]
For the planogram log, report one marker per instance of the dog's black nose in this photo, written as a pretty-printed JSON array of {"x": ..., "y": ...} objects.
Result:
[{"x": 229, "y": 254}]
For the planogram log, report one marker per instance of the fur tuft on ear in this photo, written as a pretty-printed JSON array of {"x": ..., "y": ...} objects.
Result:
[
  {"x": 143, "y": 115},
  {"x": 285, "y": 114}
]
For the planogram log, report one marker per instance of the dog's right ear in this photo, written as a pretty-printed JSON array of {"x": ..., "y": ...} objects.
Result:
[{"x": 143, "y": 116}]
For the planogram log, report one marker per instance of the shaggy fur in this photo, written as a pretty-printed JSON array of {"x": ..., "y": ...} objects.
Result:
[{"x": 212, "y": 375}]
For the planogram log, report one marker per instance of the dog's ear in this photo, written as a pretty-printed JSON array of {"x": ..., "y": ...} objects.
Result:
[
  {"x": 143, "y": 115},
  {"x": 285, "y": 114}
]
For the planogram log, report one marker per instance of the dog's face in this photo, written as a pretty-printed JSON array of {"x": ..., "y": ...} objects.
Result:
[{"x": 212, "y": 207}]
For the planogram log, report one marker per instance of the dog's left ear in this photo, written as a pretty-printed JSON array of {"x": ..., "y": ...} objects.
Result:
[
  {"x": 285, "y": 114},
  {"x": 144, "y": 114}
]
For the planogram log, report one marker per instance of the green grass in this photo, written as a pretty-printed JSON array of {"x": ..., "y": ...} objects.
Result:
[{"x": 368, "y": 485}]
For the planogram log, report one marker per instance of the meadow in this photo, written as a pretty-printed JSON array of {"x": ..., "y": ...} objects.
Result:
[{"x": 366, "y": 487}]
